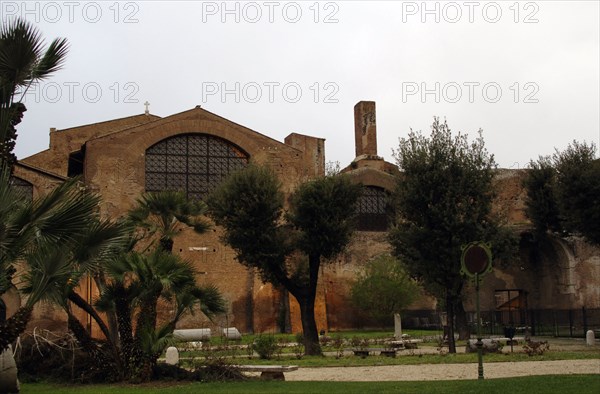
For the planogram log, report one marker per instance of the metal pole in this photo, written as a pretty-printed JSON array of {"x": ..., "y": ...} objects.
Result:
[{"x": 479, "y": 343}]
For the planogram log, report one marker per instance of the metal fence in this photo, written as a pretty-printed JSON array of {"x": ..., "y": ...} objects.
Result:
[{"x": 542, "y": 322}]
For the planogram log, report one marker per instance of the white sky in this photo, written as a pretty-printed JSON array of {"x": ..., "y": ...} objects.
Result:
[{"x": 180, "y": 54}]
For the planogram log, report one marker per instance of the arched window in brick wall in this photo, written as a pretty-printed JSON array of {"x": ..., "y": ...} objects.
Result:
[
  {"x": 373, "y": 209},
  {"x": 22, "y": 187},
  {"x": 193, "y": 163}
]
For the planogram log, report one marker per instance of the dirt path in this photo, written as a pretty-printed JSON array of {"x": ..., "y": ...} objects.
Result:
[{"x": 445, "y": 371}]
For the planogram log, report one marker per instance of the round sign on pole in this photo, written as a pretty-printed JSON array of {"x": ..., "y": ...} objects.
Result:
[{"x": 476, "y": 259}]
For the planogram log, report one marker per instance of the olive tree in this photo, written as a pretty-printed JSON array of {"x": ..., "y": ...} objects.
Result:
[{"x": 286, "y": 248}]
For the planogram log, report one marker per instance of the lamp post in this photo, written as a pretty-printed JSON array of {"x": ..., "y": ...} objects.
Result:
[{"x": 476, "y": 261}]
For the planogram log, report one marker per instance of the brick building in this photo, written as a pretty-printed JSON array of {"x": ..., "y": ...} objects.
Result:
[{"x": 194, "y": 150}]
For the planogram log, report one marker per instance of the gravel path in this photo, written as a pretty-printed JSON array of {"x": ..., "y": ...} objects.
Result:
[{"x": 444, "y": 371}]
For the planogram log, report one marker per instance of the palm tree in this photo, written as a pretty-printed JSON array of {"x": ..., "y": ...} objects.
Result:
[
  {"x": 136, "y": 283},
  {"x": 99, "y": 242},
  {"x": 161, "y": 213},
  {"x": 130, "y": 283},
  {"x": 28, "y": 229},
  {"x": 23, "y": 62}
]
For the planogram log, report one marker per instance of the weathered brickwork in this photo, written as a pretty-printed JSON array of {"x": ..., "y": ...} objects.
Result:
[
  {"x": 365, "y": 128},
  {"x": 113, "y": 166},
  {"x": 111, "y": 159}
]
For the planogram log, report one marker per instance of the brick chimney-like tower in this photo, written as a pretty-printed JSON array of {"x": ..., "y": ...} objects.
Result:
[{"x": 365, "y": 128}]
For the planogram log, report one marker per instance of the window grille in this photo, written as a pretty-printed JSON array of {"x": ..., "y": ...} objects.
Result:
[
  {"x": 193, "y": 163},
  {"x": 373, "y": 209},
  {"x": 22, "y": 187}
]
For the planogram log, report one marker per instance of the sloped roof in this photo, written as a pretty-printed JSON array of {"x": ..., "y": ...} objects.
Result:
[
  {"x": 40, "y": 171},
  {"x": 193, "y": 113}
]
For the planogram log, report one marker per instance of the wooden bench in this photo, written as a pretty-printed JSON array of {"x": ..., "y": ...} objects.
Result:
[{"x": 268, "y": 372}]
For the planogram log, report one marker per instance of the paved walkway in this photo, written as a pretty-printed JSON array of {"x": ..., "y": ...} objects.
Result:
[{"x": 444, "y": 371}]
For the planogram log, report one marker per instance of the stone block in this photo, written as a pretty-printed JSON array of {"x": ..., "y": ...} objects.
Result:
[
  {"x": 192, "y": 334},
  {"x": 232, "y": 333},
  {"x": 172, "y": 356},
  {"x": 590, "y": 338},
  {"x": 9, "y": 383}
]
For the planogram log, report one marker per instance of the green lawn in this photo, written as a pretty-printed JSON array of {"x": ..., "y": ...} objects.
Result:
[
  {"x": 367, "y": 334},
  {"x": 580, "y": 384},
  {"x": 405, "y": 359}
]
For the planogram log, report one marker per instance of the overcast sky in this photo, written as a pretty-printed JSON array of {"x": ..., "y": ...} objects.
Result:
[{"x": 527, "y": 73}]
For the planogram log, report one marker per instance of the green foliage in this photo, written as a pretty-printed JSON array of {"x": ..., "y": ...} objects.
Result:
[
  {"x": 62, "y": 239},
  {"x": 58, "y": 237},
  {"x": 444, "y": 201},
  {"x": 541, "y": 204},
  {"x": 323, "y": 212},
  {"x": 136, "y": 282},
  {"x": 563, "y": 192},
  {"x": 249, "y": 206},
  {"x": 23, "y": 62},
  {"x": 383, "y": 288},
  {"x": 286, "y": 249},
  {"x": 265, "y": 346},
  {"x": 161, "y": 213},
  {"x": 13, "y": 116},
  {"x": 29, "y": 228}
]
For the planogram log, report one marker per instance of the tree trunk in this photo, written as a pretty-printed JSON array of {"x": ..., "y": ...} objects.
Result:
[
  {"x": 312, "y": 346},
  {"x": 306, "y": 299},
  {"x": 111, "y": 317},
  {"x": 81, "y": 303},
  {"x": 101, "y": 362},
  {"x": 148, "y": 313},
  {"x": 142, "y": 370},
  {"x": 131, "y": 354},
  {"x": 462, "y": 325},
  {"x": 450, "y": 313},
  {"x": 14, "y": 326},
  {"x": 284, "y": 318}
]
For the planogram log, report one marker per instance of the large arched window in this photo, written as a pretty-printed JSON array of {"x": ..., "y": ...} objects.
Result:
[
  {"x": 373, "y": 209},
  {"x": 193, "y": 163},
  {"x": 23, "y": 188}
]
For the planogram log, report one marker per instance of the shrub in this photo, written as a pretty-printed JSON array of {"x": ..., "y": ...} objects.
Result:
[
  {"x": 299, "y": 347},
  {"x": 359, "y": 343},
  {"x": 210, "y": 370},
  {"x": 382, "y": 289},
  {"x": 338, "y": 345},
  {"x": 265, "y": 346},
  {"x": 535, "y": 348},
  {"x": 58, "y": 358},
  {"x": 281, "y": 345}
]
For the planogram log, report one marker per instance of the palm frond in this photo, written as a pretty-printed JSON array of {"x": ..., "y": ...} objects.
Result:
[
  {"x": 23, "y": 59},
  {"x": 49, "y": 275},
  {"x": 161, "y": 212},
  {"x": 102, "y": 240},
  {"x": 211, "y": 300},
  {"x": 52, "y": 60},
  {"x": 154, "y": 342}
]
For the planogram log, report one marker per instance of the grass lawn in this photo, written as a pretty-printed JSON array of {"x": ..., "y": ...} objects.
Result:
[
  {"x": 406, "y": 359},
  {"x": 366, "y": 334},
  {"x": 580, "y": 384}
]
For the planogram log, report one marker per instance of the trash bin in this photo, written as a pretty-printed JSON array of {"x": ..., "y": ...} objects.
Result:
[{"x": 509, "y": 332}]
